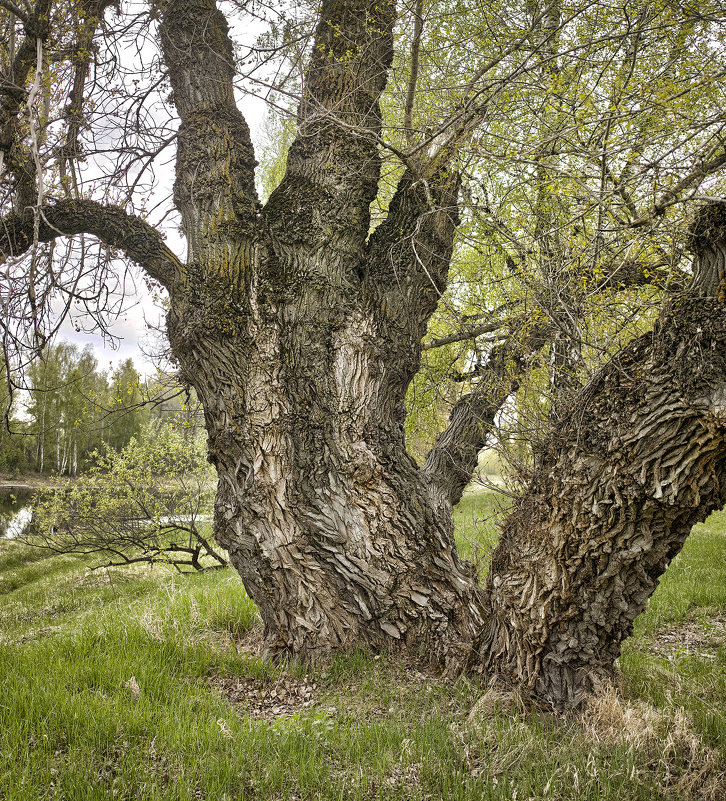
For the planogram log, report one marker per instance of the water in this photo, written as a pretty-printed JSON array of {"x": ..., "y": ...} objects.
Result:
[{"x": 15, "y": 511}]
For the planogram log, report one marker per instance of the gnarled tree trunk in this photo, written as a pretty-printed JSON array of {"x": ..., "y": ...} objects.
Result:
[
  {"x": 301, "y": 336},
  {"x": 640, "y": 460},
  {"x": 301, "y": 331}
]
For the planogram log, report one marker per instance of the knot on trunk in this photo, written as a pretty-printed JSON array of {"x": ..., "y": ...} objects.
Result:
[{"x": 707, "y": 240}]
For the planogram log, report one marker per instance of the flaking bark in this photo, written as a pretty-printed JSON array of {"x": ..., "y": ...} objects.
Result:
[
  {"x": 301, "y": 333},
  {"x": 302, "y": 367}
]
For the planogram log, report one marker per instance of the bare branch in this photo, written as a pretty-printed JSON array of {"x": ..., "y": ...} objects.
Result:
[
  {"x": 462, "y": 336},
  {"x": 707, "y": 165},
  {"x": 13, "y": 9},
  {"x": 112, "y": 225},
  {"x": 92, "y": 12},
  {"x": 13, "y": 99},
  {"x": 413, "y": 77}
]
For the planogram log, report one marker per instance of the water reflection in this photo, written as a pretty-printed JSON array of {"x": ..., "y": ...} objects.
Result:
[{"x": 15, "y": 511}]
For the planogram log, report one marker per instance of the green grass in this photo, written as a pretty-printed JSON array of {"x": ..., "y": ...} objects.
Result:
[
  {"x": 109, "y": 691},
  {"x": 475, "y": 524}
]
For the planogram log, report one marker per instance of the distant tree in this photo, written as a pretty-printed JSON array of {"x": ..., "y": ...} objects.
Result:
[
  {"x": 84, "y": 399},
  {"x": 48, "y": 375},
  {"x": 15, "y": 455},
  {"x": 150, "y": 502},
  {"x": 127, "y": 411},
  {"x": 74, "y": 408}
]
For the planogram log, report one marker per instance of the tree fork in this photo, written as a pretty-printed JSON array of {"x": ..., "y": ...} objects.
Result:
[{"x": 322, "y": 511}]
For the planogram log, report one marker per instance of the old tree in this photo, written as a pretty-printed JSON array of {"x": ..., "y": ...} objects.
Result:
[{"x": 300, "y": 322}]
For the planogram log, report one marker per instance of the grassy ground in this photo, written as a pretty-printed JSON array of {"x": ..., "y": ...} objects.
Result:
[{"x": 142, "y": 685}]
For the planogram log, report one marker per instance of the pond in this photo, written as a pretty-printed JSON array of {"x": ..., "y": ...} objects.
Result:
[{"x": 15, "y": 511}]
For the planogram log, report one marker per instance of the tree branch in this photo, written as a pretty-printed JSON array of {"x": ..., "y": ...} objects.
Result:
[
  {"x": 408, "y": 261},
  {"x": 406, "y": 268},
  {"x": 112, "y": 225},
  {"x": 13, "y": 96},
  {"x": 413, "y": 77},
  {"x": 13, "y": 9},
  {"x": 215, "y": 179},
  {"x": 334, "y": 163},
  {"x": 462, "y": 336},
  {"x": 707, "y": 165},
  {"x": 453, "y": 458},
  {"x": 92, "y": 12}
]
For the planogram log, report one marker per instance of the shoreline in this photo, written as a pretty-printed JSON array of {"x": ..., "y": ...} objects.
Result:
[{"x": 32, "y": 483}]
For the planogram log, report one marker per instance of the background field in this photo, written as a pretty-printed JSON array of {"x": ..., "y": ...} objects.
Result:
[{"x": 143, "y": 684}]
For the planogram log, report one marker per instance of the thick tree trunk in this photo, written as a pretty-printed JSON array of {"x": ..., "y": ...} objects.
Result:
[
  {"x": 301, "y": 331},
  {"x": 301, "y": 334},
  {"x": 301, "y": 345},
  {"x": 641, "y": 460},
  {"x": 322, "y": 511}
]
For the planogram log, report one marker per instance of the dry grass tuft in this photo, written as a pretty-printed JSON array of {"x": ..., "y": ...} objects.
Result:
[
  {"x": 669, "y": 747},
  {"x": 502, "y": 733},
  {"x": 498, "y": 699}
]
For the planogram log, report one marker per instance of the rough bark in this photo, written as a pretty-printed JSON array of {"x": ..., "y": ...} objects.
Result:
[
  {"x": 452, "y": 460},
  {"x": 291, "y": 348},
  {"x": 640, "y": 460},
  {"x": 112, "y": 225},
  {"x": 301, "y": 334}
]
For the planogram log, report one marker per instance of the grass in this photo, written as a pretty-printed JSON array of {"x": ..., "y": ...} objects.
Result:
[
  {"x": 139, "y": 684},
  {"x": 475, "y": 525}
]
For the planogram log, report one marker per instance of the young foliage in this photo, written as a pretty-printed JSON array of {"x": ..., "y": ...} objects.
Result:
[{"x": 149, "y": 502}]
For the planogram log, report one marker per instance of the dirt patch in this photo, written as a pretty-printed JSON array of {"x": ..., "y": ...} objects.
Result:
[
  {"x": 700, "y": 637},
  {"x": 265, "y": 700}
]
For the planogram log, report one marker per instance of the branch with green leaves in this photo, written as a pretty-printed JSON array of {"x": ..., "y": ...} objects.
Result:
[{"x": 150, "y": 502}]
